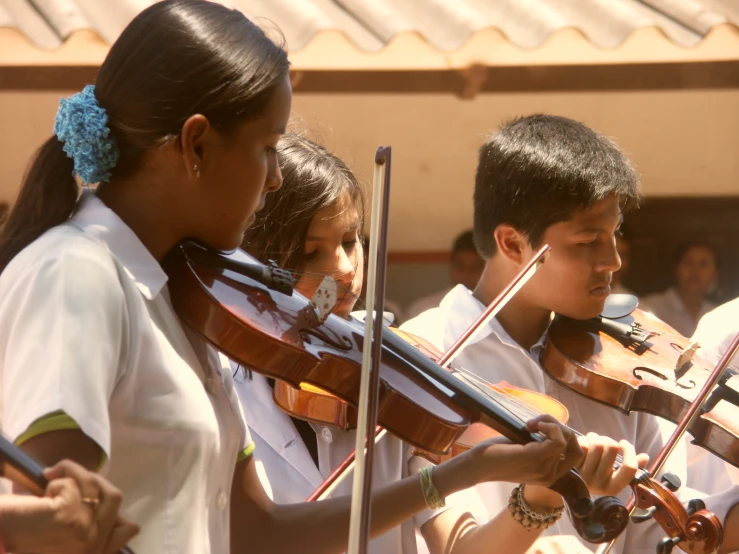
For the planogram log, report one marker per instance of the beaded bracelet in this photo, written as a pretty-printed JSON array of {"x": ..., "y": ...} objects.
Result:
[
  {"x": 431, "y": 494},
  {"x": 527, "y": 517}
]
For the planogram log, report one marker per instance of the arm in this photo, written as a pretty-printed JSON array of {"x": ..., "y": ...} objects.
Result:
[
  {"x": 454, "y": 532},
  {"x": 731, "y": 531},
  {"x": 257, "y": 524}
]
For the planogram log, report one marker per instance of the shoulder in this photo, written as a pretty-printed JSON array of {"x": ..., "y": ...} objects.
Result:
[
  {"x": 429, "y": 325},
  {"x": 62, "y": 263},
  {"x": 724, "y": 313},
  {"x": 719, "y": 325}
]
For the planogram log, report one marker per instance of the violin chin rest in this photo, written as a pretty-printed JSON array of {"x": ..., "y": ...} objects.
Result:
[{"x": 619, "y": 305}]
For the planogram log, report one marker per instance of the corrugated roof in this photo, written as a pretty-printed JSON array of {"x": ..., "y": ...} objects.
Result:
[{"x": 370, "y": 24}]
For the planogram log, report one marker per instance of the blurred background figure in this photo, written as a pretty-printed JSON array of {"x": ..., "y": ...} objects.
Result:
[
  {"x": 391, "y": 307},
  {"x": 465, "y": 268},
  {"x": 623, "y": 246},
  {"x": 695, "y": 276}
]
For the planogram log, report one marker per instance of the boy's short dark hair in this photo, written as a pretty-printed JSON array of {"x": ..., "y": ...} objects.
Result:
[{"x": 536, "y": 170}]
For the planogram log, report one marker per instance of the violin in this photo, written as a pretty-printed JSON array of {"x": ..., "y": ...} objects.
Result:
[
  {"x": 249, "y": 312},
  {"x": 635, "y": 361},
  {"x": 315, "y": 405},
  {"x": 630, "y": 360},
  {"x": 17, "y": 466}
]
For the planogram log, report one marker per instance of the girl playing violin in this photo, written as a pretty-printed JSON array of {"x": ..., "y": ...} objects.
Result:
[
  {"x": 312, "y": 226},
  {"x": 179, "y": 133}
]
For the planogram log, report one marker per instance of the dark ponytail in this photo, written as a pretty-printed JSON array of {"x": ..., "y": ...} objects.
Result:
[
  {"x": 175, "y": 59},
  {"x": 47, "y": 198}
]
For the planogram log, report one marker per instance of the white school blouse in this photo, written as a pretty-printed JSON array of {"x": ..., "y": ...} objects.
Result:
[
  {"x": 495, "y": 356},
  {"x": 87, "y": 327}
]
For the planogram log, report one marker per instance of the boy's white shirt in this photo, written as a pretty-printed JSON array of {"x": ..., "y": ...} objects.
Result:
[{"x": 495, "y": 356}]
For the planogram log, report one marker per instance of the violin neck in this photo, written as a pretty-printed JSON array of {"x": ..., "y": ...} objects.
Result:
[{"x": 461, "y": 393}]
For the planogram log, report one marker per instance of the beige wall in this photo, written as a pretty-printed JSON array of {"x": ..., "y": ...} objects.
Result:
[{"x": 684, "y": 143}]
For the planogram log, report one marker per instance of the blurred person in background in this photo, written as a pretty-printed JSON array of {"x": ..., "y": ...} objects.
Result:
[
  {"x": 394, "y": 314},
  {"x": 465, "y": 268},
  {"x": 695, "y": 277}
]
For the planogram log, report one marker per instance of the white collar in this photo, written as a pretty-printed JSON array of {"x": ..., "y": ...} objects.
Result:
[
  {"x": 460, "y": 309},
  {"x": 101, "y": 223}
]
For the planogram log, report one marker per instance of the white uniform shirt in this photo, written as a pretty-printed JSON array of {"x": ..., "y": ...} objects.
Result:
[
  {"x": 495, "y": 356},
  {"x": 669, "y": 308},
  {"x": 714, "y": 334},
  {"x": 285, "y": 467},
  {"x": 87, "y": 327}
]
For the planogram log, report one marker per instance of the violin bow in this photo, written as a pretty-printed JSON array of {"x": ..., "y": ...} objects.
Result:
[
  {"x": 342, "y": 470},
  {"x": 21, "y": 468},
  {"x": 690, "y": 416},
  {"x": 370, "y": 378}
]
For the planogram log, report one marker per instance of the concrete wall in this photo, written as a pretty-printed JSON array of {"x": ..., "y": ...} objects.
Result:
[{"x": 683, "y": 142}]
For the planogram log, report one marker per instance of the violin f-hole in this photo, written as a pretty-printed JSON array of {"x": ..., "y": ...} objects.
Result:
[{"x": 657, "y": 373}]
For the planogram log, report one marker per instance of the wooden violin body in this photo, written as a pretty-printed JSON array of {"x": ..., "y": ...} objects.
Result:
[
  {"x": 315, "y": 405},
  {"x": 638, "y": 362},
  {"x": 280, "y": 335}
]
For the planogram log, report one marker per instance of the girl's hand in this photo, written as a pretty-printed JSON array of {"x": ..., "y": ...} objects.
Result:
[
  {"x": 78, "y": 514},
  {"x": 536, "y": 463}
]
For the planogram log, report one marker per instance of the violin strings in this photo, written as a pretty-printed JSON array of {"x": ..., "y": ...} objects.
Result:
[{"x": 518, "y": 407}]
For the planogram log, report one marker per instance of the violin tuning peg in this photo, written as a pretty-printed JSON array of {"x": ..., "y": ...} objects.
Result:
[
  {"x": 640, "y": 516},
  {"x": 666, "y": 545},
  {"x": 671, "y": 481},
  {"x": 695, "y": 505}
]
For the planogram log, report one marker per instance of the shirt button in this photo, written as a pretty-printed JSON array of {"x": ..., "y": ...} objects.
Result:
[
  {"x": 228, "y": 382},
  {"x": 221, "y": 500},
  {"x": 326, "y": 435}
]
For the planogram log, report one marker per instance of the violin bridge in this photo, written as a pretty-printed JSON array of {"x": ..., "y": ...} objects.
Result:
[
  {"x": 687, "y": 356},
  {"x": 325, "y": 298}
]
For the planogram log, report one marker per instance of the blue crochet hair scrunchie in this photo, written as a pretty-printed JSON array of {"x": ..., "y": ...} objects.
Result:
[{"x": 82, "y": 125}]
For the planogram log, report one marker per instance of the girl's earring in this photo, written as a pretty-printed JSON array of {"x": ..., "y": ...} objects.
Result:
[{"x": 197, "y": 171}]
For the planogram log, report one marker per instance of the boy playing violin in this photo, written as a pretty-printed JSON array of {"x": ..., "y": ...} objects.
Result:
[{"x": 550, "y": 180}]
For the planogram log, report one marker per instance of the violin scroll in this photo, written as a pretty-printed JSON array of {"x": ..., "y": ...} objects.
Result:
[
  {"x": 606, "y": 522},
  {"x": 595, "y": 522},
  {"x": 695, "y": 525}
]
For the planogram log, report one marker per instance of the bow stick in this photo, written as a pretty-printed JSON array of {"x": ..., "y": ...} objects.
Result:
[{"x": 370, "y": 378}]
